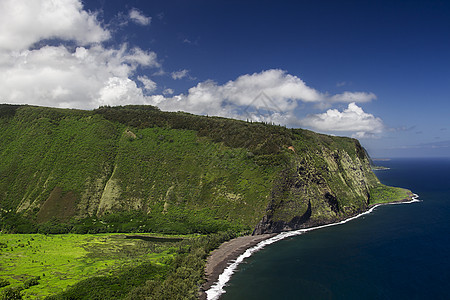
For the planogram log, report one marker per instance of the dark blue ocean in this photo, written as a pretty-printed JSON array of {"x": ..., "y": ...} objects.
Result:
[{"x": 396, "y": 252}]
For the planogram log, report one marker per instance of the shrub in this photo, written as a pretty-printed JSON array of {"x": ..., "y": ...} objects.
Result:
[
  {"x": 11, "y": 294},
  {"x": 3, "y": 282},
  {"x": 31, "y": 282}
]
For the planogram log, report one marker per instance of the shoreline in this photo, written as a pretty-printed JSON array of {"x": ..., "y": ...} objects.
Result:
[
  {"x": 219, "y": 259},
  {"x": 225, "y": 257}
]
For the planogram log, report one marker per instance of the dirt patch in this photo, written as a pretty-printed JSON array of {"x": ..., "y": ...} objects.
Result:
[
  {"x": 110, "y": 195},
  {"x": 130, "y": 134},
  {"x": 59, "y": 205}
]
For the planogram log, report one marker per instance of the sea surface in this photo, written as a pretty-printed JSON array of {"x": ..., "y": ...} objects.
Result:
[{"x": 395, "y": 252}]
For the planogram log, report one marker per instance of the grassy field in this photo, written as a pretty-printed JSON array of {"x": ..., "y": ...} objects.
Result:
[
  {"x": 63, "y": 260},
  {"x": 386, "y": 194}
]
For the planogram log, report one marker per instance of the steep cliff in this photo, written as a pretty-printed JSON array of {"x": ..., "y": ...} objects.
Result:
[
  {"x": 176, "y": 168},
  {"x": 322, "y": 185}
]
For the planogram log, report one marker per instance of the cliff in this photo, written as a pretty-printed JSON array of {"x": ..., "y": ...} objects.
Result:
[{"x": 175, "y": 172}]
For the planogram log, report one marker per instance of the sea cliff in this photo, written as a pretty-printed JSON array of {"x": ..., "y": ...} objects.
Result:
[{"x": 136, "y": 168}]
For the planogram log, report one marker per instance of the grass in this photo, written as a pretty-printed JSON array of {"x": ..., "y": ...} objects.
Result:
[
  {"x": 63, "y": 260},
  {"x": 386, "y": 194}
]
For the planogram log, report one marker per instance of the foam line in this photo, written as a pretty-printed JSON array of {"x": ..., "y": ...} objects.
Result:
[{"x": 217, "y": 289}]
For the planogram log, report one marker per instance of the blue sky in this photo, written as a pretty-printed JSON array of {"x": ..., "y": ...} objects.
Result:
[{"x": 375, "y": 70}]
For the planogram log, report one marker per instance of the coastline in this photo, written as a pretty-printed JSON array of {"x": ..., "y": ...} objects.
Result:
[
  {"x": 220, "y": 258},
  {"x": 225, "y": 257}
]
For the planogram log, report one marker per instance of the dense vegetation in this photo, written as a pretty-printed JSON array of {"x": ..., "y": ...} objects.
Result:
[
  {"x": 180, "y": 279},
  {"x": 67, "y": 170},
  {"x": 68, "y": 164},
  {"x": 259, "y": 138},
  {"x": 104, "y": 266},
  {"x": 173, "y": 222}
]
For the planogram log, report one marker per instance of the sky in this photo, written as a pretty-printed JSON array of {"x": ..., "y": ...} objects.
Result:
[{"x": 378, "y": 71}]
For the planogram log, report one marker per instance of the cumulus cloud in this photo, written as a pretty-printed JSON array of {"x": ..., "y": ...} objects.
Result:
[
  {"x": 283, "y": 88},
  {"x": 139, "y": 18},
  {"x": 352, "y": 119},
  {"x": 23, "y": 23},
  {"x": 85, "y": 77},
  {"x": 284, "y": 91},
  {"x": 119, "y": 90},
  {"x": 273, "y": 96}
]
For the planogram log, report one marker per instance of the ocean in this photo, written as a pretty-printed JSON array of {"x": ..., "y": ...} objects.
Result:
[{"x": 394, "y": 252}]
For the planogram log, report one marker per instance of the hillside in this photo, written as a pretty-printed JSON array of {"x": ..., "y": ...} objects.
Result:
[{"x": 136, "y": 168}]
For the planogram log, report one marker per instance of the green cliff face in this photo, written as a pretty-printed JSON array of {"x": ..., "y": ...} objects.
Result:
[
  {"x": 65, "y": 165},
  {"x": 327, "y": 179}
]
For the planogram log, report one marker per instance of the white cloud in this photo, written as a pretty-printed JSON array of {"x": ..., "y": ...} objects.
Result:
[
  {"x": 149, "y": 85},
  {"x": 168, "y": 92},
  {"x": 179, "y": 74},
  {"x": 353, "y": 97},
  {"x": 272, "y": 96},
  {"x": 118, "y": 91},
  {"x": 352, "y": 119},
  {"x": 55, "y": 76},
  {"x": 139, "y": 18},
  {"x": 139, "y": 57},
  {"x": 86, "y": 77},
  {"x": 24, "y": 22},
  {"x": 282, "y": 89}
]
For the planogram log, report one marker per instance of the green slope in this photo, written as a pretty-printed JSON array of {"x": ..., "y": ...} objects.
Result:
[{"x": 173, "y": 172}]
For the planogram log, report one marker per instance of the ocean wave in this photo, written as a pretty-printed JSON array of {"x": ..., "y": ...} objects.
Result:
[{"x": 217, "y": 289}]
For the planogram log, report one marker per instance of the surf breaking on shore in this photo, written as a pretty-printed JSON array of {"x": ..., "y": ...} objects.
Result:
[{"x": 217, "y": 289}]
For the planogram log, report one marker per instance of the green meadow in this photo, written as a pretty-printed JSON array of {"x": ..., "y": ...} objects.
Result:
[
  {"x": 387, "y": 194},
  {"x": 59, "y": 261}
]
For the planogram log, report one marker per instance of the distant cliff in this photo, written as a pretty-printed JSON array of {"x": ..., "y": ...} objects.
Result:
[{"x": 177, "y": 172}]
